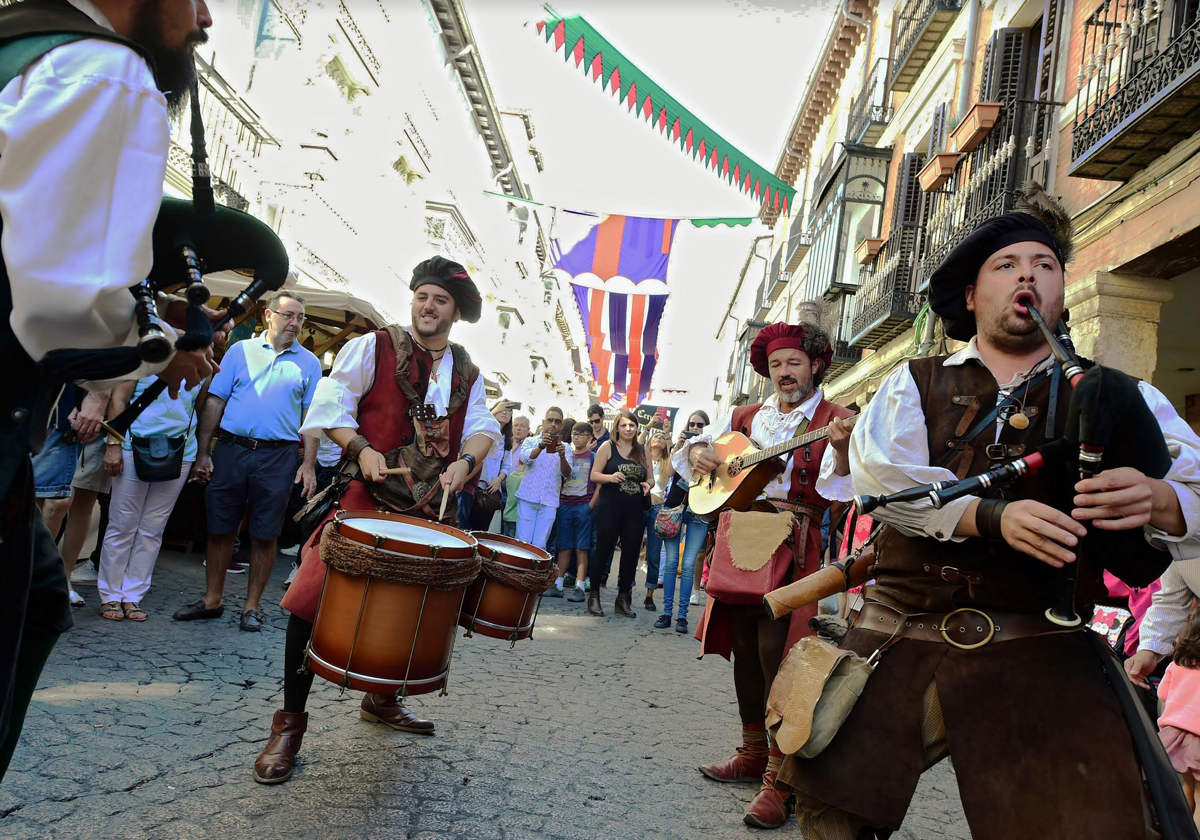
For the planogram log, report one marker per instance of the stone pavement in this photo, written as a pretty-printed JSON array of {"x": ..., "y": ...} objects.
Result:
[{"x": 592, "y": 729}]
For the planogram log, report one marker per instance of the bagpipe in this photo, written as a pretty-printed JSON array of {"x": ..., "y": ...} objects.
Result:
[{"x": 190, "y": 238}]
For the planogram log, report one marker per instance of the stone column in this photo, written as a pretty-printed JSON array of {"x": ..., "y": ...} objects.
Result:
[{"x": 1114, "y": 319}]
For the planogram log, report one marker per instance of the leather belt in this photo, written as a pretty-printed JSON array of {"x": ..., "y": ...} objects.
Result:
[
  {"x": 252, "y": 443},
  {"x": 811, "y": 511},
  {"x": 966, "y": 628}
]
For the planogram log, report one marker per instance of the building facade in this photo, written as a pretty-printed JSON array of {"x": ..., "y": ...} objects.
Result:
[{"x": 923, "y": 117}]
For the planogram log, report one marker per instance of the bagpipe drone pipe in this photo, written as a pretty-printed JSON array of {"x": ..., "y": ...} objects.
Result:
[{"x": 190, "y": 238}]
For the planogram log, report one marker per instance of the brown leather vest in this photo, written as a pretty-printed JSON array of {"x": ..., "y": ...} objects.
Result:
[{"x": 923, "y": 574}]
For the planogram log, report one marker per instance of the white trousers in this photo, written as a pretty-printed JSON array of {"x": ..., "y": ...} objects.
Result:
[
  {"x": 137, "y": 517},
  {"x": 534, "y": 522}
]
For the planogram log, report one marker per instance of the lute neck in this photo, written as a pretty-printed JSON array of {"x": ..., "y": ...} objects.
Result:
[{"x": 789, "y": 445}]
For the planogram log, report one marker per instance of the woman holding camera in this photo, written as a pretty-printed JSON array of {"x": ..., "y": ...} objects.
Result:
[
  {"x": 622, "y": 470},
  {"x": 692, "y": 534}
]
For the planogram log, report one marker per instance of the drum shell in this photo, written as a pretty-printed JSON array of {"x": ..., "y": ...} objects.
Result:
[
  {"x": 402, "y": 643},
  {"x": 494, "y": 609}
]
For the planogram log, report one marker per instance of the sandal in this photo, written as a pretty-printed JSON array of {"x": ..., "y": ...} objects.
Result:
[
  {"x": 112, "y": 611},
  {"x": 134, "y": 612}
]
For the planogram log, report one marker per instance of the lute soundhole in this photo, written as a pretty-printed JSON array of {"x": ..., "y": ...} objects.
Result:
[{"x": 735, "y": 467}]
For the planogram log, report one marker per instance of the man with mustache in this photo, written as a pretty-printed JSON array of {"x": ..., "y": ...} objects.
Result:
[
  {"x": 794, "y": 357},
  {"x": 368, "y": 406},
  {"x": 968, "y": 664},
  {"x": 255, "y": 407},
  {"x": 84, "y": 134}
]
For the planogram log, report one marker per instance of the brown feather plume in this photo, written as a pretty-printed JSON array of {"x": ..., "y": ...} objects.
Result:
[{"x": 1034, "y": 200}]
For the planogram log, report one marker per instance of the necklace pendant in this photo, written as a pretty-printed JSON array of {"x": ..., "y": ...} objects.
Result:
[{"x": 1019, "y": 420}]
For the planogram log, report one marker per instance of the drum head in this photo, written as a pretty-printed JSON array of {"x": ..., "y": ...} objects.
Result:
[
  {"x": 406, "y": 531},
  {"x": 404, "y": 534}
]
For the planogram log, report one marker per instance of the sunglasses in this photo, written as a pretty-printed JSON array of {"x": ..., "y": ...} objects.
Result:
[
  {"x": 597, "y": 420},
  {"x": 695, "y": 425}
]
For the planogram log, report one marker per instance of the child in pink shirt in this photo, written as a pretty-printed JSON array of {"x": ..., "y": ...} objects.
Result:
[{"x": 1179, "y": 722}]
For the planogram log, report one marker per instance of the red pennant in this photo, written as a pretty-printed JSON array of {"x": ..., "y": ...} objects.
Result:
[
  {"x": 541, "y": 26},
  {"x": 631, "y": 98},
  {"x": 725, "y": 167},
  {"x": 675, "y": 130},
  {"x": 647, "y": 109},
  {"x": 597, "y": 67},
  {"x": 713, "y": 162},
  {"x": 560, "y": 34},
  {"x": 757, "y": 188},
  {"x": 687, "y": 142},
  {"x": 776, "y": 201},
  {"x": 767, "y": 195},
  {"x": 579, "y": 51},
  {"x": 614, "y": 81},
  {"x": 662, "y": 120},
  {"x": 785, "y": 205},
  {"x": 737, "y": 174},
  {"x": 703, "y": 154},
  {"x": 746, "y": 186}
]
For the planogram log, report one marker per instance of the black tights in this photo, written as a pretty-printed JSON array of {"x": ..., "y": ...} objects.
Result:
[
  {"x": 758, "y": 648},
  {"x": 296, "y": 685},
  {"x": 626, "y": 520}
]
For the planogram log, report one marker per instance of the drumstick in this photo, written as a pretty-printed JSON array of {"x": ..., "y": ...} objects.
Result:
[
  {"x": 445, "y": 498},
  {"x": 395, "y": 471}
]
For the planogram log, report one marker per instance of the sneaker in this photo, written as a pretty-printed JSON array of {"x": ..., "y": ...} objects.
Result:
[
  {"x": 663, "y": 622},
  {"x": 695, "y": 599},
  {"x": 577, "y": 596},
  {"x": 680, "y": 625},
  {"x": 294, "y": 551},
  {"x": 236, "y": 568},
  {"x": 587, "y": 585},
  {"x": 85, "y": 572},
  {"x": 291, "y": 575},
  {"x": 76, "y": 599},
  {"x": 553, "y": 592}
]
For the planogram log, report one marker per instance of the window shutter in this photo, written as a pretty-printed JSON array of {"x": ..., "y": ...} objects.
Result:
[
  {"x": 907, "y": 207},
  {"x": 1005, "y": 66}
]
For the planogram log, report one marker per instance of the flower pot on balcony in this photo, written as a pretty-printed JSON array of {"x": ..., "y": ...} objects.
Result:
[
  {"x": 866, "y": 250},
  {"x": 975, "y": 126},
  {"x": 937, "y": 171}
]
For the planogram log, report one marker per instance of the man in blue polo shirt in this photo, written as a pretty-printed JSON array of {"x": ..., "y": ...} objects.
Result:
[{"x": 257, "y": 403}]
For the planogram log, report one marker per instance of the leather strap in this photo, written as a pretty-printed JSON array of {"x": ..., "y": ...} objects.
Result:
[{"x": 968, "y": 627}]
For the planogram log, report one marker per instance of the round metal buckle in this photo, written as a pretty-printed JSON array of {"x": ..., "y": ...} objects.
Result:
[{"x": 991, "y": 625}]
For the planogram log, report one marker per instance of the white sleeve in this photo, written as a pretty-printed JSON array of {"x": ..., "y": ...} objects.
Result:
[
  {"x": 680, "y": 460},
  {"x": 1167, "y": 615},
  {"x": 830, "y": 485},
  {"x": 480, "y": 421},
  {"x": 335, "y": 404},
  {"x": 889, "y": 452},
  {"x": 1183, "y": 476},
  {"x": 83, "y": 152}
]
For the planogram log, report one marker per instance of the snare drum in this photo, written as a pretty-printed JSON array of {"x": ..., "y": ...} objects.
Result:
[
  {"x": 381, "y": 625},
  {"x": 505, "y": 608}
]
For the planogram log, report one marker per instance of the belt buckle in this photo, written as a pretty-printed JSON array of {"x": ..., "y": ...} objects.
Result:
[
  {"x": 991, "y": 625},
  {"x": 1000, "y": 450},
  {"x": 251, "y": 444}
]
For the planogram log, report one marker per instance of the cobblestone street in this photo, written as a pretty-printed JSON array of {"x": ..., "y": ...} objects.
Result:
[{"x": 592, "y": 729}]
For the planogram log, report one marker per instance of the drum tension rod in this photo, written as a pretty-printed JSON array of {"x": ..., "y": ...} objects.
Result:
[{"x": 378, "y": 539}]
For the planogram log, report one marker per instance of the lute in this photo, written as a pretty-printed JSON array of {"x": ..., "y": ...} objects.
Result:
[{"x": 745, "y": 470}]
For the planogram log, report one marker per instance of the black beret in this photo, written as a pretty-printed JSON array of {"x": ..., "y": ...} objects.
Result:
[
  {"x": 452, "y": 277},
  {"x": 948, "y": 285}
]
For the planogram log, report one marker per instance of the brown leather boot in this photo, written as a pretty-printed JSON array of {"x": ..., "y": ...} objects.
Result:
[
  {"x": 278, "y": 758},
  {"x": 748, "y": 763},
  {"x": 621, "y": 607},
  {"x": 769, "y": 809},
  {"x": 593, "y": 606},
  {"x": 383, "y": 708}
]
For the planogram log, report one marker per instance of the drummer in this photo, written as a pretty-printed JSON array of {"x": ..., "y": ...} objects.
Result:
[{"x": 361, "y": 407}]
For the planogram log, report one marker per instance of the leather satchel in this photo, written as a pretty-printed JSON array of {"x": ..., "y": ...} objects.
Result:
[
  {"x": 813, "y": 694},
  {"x": 754, "y": 554},
  {"x": 158, "y": 457}
]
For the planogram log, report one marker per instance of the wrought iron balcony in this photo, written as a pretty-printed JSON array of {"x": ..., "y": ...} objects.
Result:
[
  {"x": 845, "y": 357},
  {"x": 920, "y": 28},
  {"x": 1139, "y": 81},
  {"x": 871, "y": 110},
  {"x": 777, "y": 278},
  {"x": 887, "y": 302},
  {"x": 762, "y": 301},
  {"x": 799, "y": 241}
]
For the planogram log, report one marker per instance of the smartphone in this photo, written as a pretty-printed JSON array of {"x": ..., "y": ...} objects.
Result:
[
  {"x": 662, "y": 414},
  {"x": 690, "y": 434},
  {"x": 514, "y": 405},
  {"x": 554, "y": 441}
]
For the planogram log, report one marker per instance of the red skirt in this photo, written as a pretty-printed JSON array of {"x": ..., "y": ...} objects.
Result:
[{"x": 1183, "y": 748}]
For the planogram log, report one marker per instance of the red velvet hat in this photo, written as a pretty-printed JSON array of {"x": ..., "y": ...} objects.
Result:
[{"x": 812, "y": 341}]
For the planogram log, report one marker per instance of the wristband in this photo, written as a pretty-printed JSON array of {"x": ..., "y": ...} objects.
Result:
[
  {"x": 470, "y": 459},
  {"x": 987, "y": 518},
  {"x": 356, "y": 445}
]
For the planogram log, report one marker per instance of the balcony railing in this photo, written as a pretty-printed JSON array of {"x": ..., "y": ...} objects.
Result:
[
  {"x": 845, "y": 357},
  {"x": 776, "y": 278},
  {"x": 871, "y": 110},
  {"x": 920, "y": 28},
  {"x": 1139, "y": 81},
  {"x": 825, "y": 172},
  {"x": 799, "y": 241},
  {"x": 887, "y": 302}
]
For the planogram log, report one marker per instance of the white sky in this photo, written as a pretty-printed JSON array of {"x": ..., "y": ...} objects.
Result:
[{"x": 739, "y": 65}]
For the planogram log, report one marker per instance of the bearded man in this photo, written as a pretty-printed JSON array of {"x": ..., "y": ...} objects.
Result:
[
  {"x": 794, "y": 357},
  {"x": 370, "y": 405},
  {"x": 84, "y": 134},
  {"x": 967, "y": 662}
]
